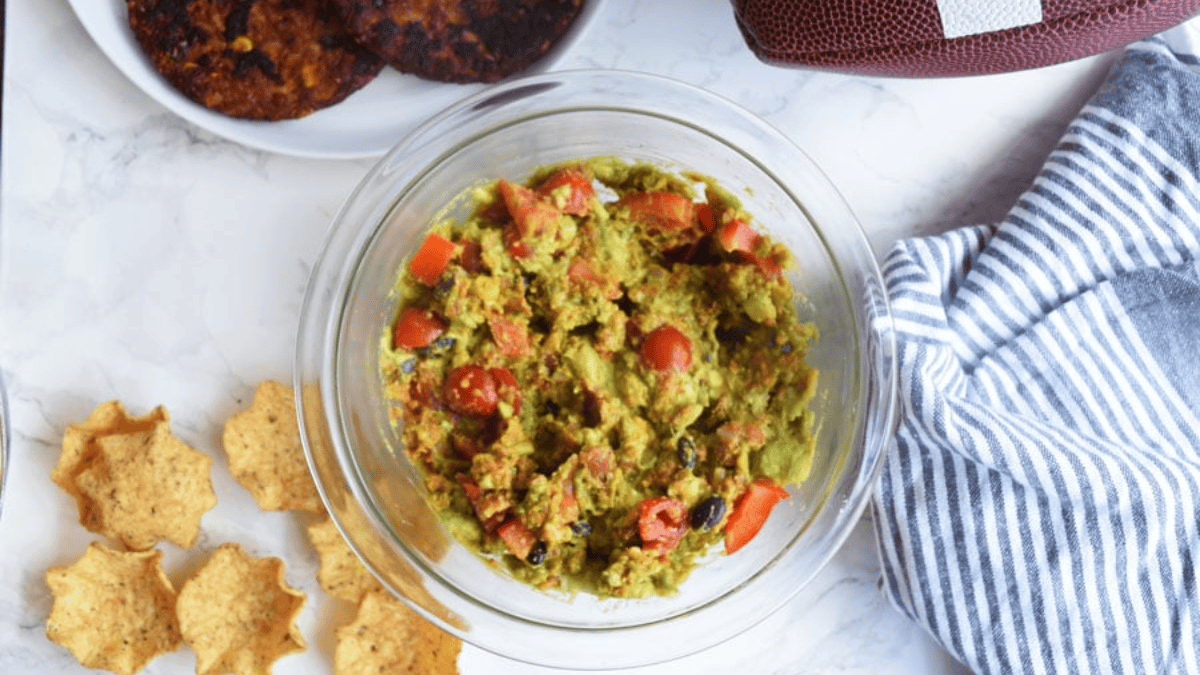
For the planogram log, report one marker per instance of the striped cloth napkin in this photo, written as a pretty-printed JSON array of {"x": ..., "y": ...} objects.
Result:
[{"x": 1040, "y": 511}]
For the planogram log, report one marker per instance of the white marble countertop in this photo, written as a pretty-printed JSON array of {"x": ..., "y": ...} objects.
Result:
[{"x": 146, "y": 260}]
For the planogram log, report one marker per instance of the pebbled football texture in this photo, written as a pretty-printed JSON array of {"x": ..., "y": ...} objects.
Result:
[{"x": 906, "y": 37}]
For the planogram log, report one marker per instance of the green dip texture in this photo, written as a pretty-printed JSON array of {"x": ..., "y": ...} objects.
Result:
[{"x": 602, "y": 375}]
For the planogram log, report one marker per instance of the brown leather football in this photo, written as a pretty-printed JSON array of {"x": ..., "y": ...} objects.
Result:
[{"x": 938, "y": 38}]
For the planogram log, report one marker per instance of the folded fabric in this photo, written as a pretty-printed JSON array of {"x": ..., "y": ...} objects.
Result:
[{"x": 1040, "y": 509}]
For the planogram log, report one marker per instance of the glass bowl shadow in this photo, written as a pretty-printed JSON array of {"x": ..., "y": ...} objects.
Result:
[{"x": 376, "y": 496}]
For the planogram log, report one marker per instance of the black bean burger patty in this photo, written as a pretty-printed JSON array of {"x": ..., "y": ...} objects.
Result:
[
  {"x": 459, "y": 40},
  {"x": 253, "y": 59}
]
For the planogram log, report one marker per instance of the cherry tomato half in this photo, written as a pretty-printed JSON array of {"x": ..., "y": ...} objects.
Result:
[
  {"x": 430, "y": 260},
  {"x": 471, "y": 390},
  {"x": 666, "y": 348},
  {"x": 416, "y": 327},
  {"x": 507, "y": 388}
]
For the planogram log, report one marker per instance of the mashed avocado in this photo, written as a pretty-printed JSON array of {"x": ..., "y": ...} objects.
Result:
[{"x": 602, "y": 375}]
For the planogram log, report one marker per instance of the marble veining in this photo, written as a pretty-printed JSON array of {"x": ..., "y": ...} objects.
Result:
[{"x": 144, "y": 259}]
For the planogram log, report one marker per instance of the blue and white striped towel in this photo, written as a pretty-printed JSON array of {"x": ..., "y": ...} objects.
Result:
[{"x": 1040, "y": 511}]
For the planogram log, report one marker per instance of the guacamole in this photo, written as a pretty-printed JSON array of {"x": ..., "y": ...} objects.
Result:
[{"x": 602, "y": 375}]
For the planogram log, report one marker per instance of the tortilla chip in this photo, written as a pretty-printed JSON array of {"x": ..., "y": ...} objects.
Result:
[
  {"x": 387, "y": 637},
  {"x": 146, "y": 486},
  {"x": 79, "y": 447},
  {"x": 113, "y": 609},
  {"x": 265, "y": 453},
  {"x": 342, "y": 574},
  {"x": 239, "y": 614}
]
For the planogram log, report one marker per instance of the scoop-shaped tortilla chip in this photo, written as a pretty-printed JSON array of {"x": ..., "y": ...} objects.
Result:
[
  {"x": 388, "y": 637},
  {"x": 238, "y": 613},
  {"x": 113, "y": 609},
  {"x": 146, "y": 486},
  {"x": 265, "y": 453},
  {"x": 79, "y": 447},
  {"x": 342, "y": 574}
]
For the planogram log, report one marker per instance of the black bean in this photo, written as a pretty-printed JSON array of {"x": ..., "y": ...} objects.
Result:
[
  {"x": 581, "y": 528},
  {"x": 443, "y": 287},
  {"x": 409, "y": 365},
  {"x": 707, "y": 513},
  {"x": 537, "y": 555},
  {"x": 685, "y": 449},
  {"x": 436, "y": 347},
  {"x": 552, "y": 407}
]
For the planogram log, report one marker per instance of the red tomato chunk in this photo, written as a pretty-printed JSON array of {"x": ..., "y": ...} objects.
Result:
[
  {"x": 750, "y": 513},
  {"x": 431, "y": 259},
  {"x": 662, "y": 523},
  {"x": 416, "y": 327}
]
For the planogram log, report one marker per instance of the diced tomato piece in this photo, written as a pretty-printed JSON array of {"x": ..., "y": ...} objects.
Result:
[
  {"x": 430, "y": 260},
  {"x": 470, "y": 390},
  {"x": 517, "y": 537},
  {"x": 664, "y": 209},
  {"x": 662, "y": 523},
  {"x": 507, "y": 388},
  {"x": 476, "y": 499},
  {"x": 737, "y": 236},
  {"x": 465, "y": 445},
  {"x": 767, "y": 265},
  {"x": 425, "y": 395},
  {"x": 583, "y": 273},
  {"x": 750, "y": 512},
  {"x": 511, "y": 337},
  {"x": 599, "y": 462},
  {"x": 416, "y": 327},
  {"x": 568, "y": 508},
  {"x": 706, "y": 219},
  {"x": 471, "y": 258},
  {"x": 578, "y": 195},
  {"x": 666, "y": 348},
  {"x": 531, "y": 215},
  {"x": 516, "y": 247}
]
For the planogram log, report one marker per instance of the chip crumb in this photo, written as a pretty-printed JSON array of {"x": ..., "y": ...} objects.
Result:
[
  {"x": 238, "y": 613},
  {"x": 341, "y": 574},
  {"x": 147, "y": 486},
  {"x": 265, "y": 453},
  {"x": 388, "y": 637},
  {"x": 79, "y": 447},
  {"x": 113, "y": 609}
]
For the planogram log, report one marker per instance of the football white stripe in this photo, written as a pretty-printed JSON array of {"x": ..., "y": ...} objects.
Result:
[{"x": 973, "y": 17}]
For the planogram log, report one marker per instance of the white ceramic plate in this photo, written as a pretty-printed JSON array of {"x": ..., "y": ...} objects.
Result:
[{"x": 365, "y": 124}]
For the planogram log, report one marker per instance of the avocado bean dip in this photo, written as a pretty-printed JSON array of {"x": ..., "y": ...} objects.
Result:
[{"x": 601, "y": 374}]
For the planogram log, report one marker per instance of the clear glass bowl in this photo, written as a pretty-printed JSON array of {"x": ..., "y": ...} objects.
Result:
[{"x": 375, "y": 495}]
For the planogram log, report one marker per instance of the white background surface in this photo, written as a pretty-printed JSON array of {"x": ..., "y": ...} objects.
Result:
[{"x": 146, "y": 260}]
